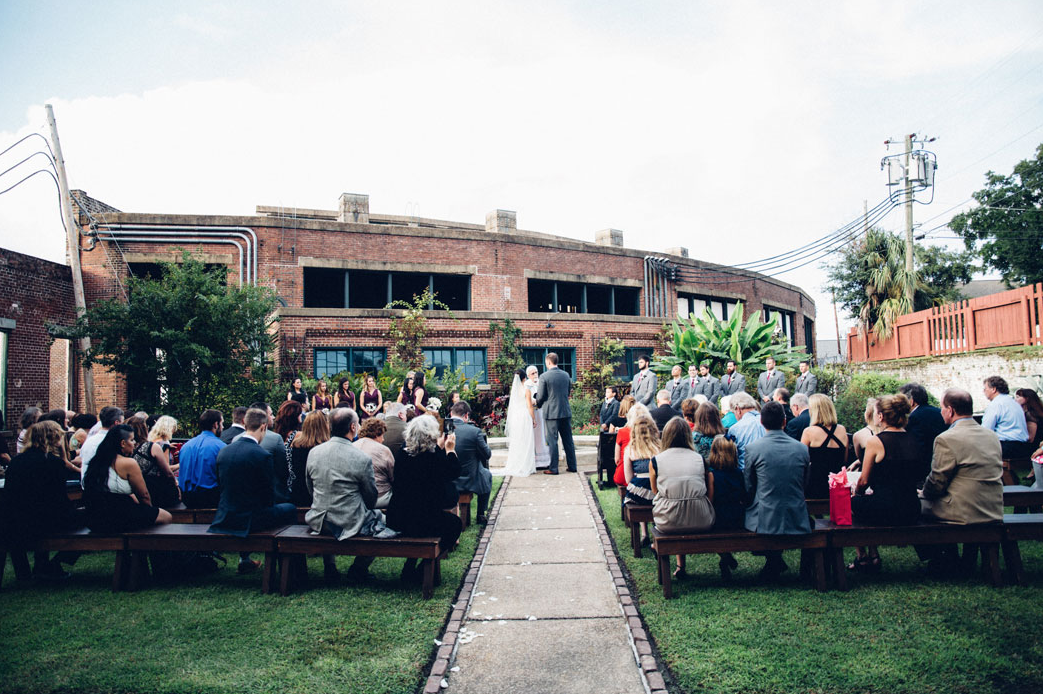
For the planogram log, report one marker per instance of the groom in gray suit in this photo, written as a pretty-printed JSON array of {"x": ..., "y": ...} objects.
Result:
[{"x": 552, "y": 396}]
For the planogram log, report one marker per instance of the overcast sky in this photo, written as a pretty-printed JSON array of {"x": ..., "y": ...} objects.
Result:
[{"x": 739, "y": 129}]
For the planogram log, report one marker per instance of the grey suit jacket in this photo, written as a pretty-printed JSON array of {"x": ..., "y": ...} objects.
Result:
[
  {"x": 643, "y": 387},
  {"x": 766, "y": 386},
  {"x": 736, "y": 384},
  {"x": 776, "y": 469},
  {"x": 552, "y": 394},
  {"x": 473, "y": 451},
  {"x": 708, "y": 386},
  {"x": 395, "y": 437},
  {"x": 340, "y": 479},
  {"x": 807, "y": 383},
  {"x": 678, "y": 392},
  {"x": 965, "y": 484}
]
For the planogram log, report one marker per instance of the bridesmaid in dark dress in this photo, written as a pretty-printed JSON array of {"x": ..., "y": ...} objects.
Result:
[
  {"x": 889, "y": 469},
  {"x": 419, "y": 393},
  {"x": 371, "y": 399},
  {"x": 345, "y": 396},
  {"x": 322, "y": 400},
  {"x": 298, "y": 394},
  {"x": 405, "y": 396}
]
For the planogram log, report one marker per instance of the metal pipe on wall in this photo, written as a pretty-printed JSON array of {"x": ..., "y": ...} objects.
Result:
[
  {"x": 215, "y": 231},
  {"x": 175, "y": 239}
]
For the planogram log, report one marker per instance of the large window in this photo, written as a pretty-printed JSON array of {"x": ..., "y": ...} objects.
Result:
[
  {"x": 336, "y": 288},
  {"x": 695, "y": 305},
  {"x": 537, "y": 355},
  {"x": 785, "y": 321},
  {"x": 627, "y": 368},
  {"x": 809, "y": 336},
  {"x": 550, "y": 296},
  {"x": 470, "y": 359},
  {"x": 329, "y": 362}
]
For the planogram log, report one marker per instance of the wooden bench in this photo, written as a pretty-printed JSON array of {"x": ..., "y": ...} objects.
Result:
[
  {"x": 816, "y": 543},
  {"x": 78, "y": 541},
  {"x": 183, "y": 514},
  {"x": 1027, "y": 526},
  {"x": 195, "y": 537},
  {"x": 1023, "y": 499},
  {"x": 987, "y": 535},
  {"x": 297, "y": 540},
  {"x": 465, "y": 508}
]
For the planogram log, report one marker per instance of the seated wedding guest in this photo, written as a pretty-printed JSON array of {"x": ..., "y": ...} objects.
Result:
[
  {"x": 109, "y": 417},
  {"x": 153, "y": 457},
  {"x": 371, "y": 400},
  {"x": 298, "y": 394},
  {"x": 775, "y": 472},
  {"x": 61, "y": 418},
  {"x": 707, "y": 426},
  {"x": 248, "y": 502},
  {"x": 729, "y": 494},
  {"x": 827, "y": 445},
  {"x": 700, "y": 398},
  {"x": 371, "y": 442},
  {"x": 663, "y": 411},
  {"x": 197, "y": 475},
  {"x": 860, "y": 437},
  {"x": 890, "y": 470},
  {"x": 395, "y": 420},
  {"x": 272, "y": 442},
  {"x": 426, "y": 469},
  {"x": 340, "y": 478},
  {"x": 405, "y": 394},
  {"x": 688, "y": 409},
  {"x": 925, "y": 423},
  {"x": 1004, "y": 416},
  {"x": 633, "y": 411},
  {"x": 323, "y": 400},
  {"x": 728, "y": 418},
  {"x": 80, "y": 424},
  {"x": 1030, "y": 403},
  {"x": 620, "y": 419},
  {"x": 682, "y": 486},
  {"x": 748, "y": 427},
  {"x": 782, "y": 396},
  {"x": 114, "y": 491},
  {"x": 229, "y": 434},
  {"x": 29, "y": 418},
  {"x": 473, "y": 452},
  {"x": 291, "y": 473},
  {"x": 36, "y": 503},
  {"x": 288, "y": 421},
  {"x": 801, "y": 418},
  {"x": 637, "y": 460}
]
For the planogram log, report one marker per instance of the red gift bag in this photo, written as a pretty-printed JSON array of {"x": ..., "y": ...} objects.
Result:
[{"x": 840, "y": 505}]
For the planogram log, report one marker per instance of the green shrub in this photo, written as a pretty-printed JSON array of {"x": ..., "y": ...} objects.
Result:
[
  {"x": 851, "y": 404},
  {"x": 832, "y": 379},
  {"x": 584, "y": 408}
]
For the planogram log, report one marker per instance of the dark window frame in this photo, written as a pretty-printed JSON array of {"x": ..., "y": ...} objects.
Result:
[
  {"x": 455, "y": 362},
  {"x": 728, "y": 304},
  {"x": 530, "y": 357},
  {"x": 578, "y": 294},
  {"x": 349, "y": 353},
  {"x": 387, "y": 278}
]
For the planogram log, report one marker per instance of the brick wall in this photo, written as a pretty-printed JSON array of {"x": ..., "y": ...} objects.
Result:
[{"x": 33, "y": 292}]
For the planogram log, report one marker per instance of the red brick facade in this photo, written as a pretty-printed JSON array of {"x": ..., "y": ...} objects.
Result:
[{"x": 33, "y": 293}]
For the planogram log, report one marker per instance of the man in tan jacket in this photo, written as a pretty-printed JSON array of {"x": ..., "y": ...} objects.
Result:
[{"x": 965, "y": 484}]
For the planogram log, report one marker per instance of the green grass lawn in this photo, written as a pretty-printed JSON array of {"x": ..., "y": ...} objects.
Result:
[
  {"x": 896, "y": 631},
  {"x": 219, "y": 634}
]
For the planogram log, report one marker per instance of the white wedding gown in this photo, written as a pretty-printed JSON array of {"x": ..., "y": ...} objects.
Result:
[{"x": 521, "y": 441}]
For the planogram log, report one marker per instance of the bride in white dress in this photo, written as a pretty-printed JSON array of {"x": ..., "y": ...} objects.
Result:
[
  {"x": 539, "y": 433},
  {"x": 521, "y": 418}
]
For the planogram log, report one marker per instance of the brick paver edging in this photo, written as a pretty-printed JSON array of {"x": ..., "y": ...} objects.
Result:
[
  {"x": 446, "y": 652},
  {"x": 644, "y": 652}
]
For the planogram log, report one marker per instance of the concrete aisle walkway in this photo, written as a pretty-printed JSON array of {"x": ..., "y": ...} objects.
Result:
[{"x": 545, "y": 614}]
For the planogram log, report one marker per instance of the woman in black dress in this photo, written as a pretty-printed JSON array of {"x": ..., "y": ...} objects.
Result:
[
  {"x": 298, "y": 394},
  {"x": 153, "y": 456},
  {"x": 890, "y": 470},
  {"x": 116, "y": 497},
  {"x": 827, "y": 445}
]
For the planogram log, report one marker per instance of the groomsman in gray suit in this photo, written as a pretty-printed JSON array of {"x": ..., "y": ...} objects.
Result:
[
  {"x": 807, "y": 382},
  {"x": 707, "y": 385},
  {"x": 732, "y": 381},
  {"x": 643, "y": 388},
  {"x": 677, "y": 387},
  {"x": 769, "y": 380},
  {"x": 552, "y": 396}
]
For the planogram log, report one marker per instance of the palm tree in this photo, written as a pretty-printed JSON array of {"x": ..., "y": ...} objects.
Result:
[{"x": 889, "y": 286}]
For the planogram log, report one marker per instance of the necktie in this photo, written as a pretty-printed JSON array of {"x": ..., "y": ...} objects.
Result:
[{"x": 693, "y": 384}]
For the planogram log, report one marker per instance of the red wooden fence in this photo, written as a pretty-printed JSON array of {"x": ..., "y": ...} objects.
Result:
[{"x": 997, "y": 320}]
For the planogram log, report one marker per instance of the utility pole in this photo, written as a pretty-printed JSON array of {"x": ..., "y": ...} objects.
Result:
[
  {"x": 72, "y": 237},
  {"x": 836, "y": 322},
  {"x": 865, "y": 217},
  {"x": 909, "y": 268}
]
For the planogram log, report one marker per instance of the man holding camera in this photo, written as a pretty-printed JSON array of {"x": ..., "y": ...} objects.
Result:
[{"x": 472, "y": 449}]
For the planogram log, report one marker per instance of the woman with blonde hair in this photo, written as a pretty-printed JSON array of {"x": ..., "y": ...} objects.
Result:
[
  {"x": 827, "y": 445},
  {"x": 637, "y": 460},
  {"x": 153, "y": 457},
  {"x": 629, "y": 409},
  {"x": 322, "y": 399},
  {"x": 314, "y": 430},
  {"x": 862, "y": 436}
]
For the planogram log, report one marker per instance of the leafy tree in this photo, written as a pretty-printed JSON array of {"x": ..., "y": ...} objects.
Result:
[
  {"x": 406, "y": 332},
  {"x": 607, "y": 356},
  {"x": 185, "y": 342},
  {"x": 870, "y": 280},
  {"x": 1007, "y": 228},
  {"x": 509, "y": 355},
  {"x": 714, "y": 342}
]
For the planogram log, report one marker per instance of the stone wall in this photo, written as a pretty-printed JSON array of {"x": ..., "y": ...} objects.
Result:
[{"x": 1022, "y": 367}]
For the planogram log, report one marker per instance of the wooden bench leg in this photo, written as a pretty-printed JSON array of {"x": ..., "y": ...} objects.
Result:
[
  {"x": 119, "y": 571},
  {"x": 438, "y": 571},
  {"x": 137, "y": 570},
  {"x": 286, "y": 569},
  {"x": 635, "y": 539},
  {"x": 429, "y": 578},
  {"x": 20, "y": 562},
  {"x": 665, "y": 575},
  {"x": 1012, "y": 558},
  {"x": 820, "y": 570},
  {"x": 839, "y": 568},
  {"x": 465, "y": 514},
  {"x": 268, "y": 572},
  {"x": 990, "y": 558}
]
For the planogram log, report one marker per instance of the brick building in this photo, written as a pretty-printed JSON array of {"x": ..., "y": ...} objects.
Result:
[
  {"x": 335, "y": 270},
  {"x": 34, "y": 369}
]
